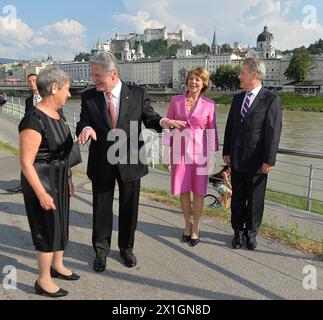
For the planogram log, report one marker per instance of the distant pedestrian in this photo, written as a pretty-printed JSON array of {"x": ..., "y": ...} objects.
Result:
[
  {"x": 222, "y": 185},
  {"x": 3, "y": 100}
]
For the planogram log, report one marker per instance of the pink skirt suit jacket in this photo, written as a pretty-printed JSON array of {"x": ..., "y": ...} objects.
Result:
[{"x": 191, "y": 145}]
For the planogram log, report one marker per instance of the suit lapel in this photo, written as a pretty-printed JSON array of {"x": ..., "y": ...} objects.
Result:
[
  {"x": 256, "y": 102},
  {"x": 103, "y": 108},
  {"x": 124, "y": 105},
  {"x": 238, "y": 108},
  {"x": 200, "y": 102}
]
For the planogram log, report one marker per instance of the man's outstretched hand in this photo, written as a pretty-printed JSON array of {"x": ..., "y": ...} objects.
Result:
[
  {"x": 86, "y": 134},
  {"x": 170, "y": 124}
]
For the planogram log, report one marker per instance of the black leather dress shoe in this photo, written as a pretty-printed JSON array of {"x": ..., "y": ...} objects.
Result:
[
  {"x": 237, "y": 240},
  {"x": 15, "y": 190},
  {"x": 41, "y": 292},
  {"x": 56, "y": 274},
  {"x": 129, "y": 258},
  {"x": 99, "y": 264},
  {"x": 251, "y": 243}
]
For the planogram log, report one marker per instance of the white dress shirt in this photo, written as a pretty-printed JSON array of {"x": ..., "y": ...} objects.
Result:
[
  {"x": 252, "y": 98},
  {"x": 36, "y": 99}
]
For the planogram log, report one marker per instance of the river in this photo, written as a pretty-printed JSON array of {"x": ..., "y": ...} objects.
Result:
[{"x": 301, "y": 130}]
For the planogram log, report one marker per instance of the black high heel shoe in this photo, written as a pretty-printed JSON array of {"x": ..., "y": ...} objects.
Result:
[
  {"x": 185, "y": 238},
  {"x": 42, "y": 292},
  {"x": 56, "y": 274},
  {"x": 194, "y": 242}
]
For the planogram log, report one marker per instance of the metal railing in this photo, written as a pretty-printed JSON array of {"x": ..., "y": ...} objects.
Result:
[
  {"x": 304, "y": 181},
  {"x": 16, "y": 107},
  {"x": 301, "y": 179}
]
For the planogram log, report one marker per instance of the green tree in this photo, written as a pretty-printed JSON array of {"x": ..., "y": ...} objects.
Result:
[
  {"x": 201, "y": 48},
  {"x": 172, "y": 50},
  {"x": 82, "y": 56},
  {"x": 226, "y": 77},
  {"x": 300, "y": 65},
  {"x": 225, "y": 48},
  {"x": 155, "y": 48},
  {"x": 317, "y": 47}
]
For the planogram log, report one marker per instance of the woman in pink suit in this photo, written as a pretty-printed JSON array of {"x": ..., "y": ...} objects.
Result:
[{"x": 192, "y": 148}]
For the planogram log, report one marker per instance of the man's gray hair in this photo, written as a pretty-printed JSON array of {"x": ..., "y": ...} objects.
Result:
[
  {"x": 106, "y": 59},
  {"x": 256, "y": 65},
  {"x": 47, "y": 77}
]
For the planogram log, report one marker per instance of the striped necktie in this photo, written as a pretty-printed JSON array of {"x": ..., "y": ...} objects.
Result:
[{"x": 246, "y": 106}]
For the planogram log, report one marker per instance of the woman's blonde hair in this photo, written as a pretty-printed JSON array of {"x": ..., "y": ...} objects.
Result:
[{"x": 201, "y": 73}]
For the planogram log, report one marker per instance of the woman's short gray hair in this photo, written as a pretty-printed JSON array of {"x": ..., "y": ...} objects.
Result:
[
  {"x": 256, "y": 65},
  {"x": 106, "y": 59},
  {"x": 47, "y": 77}
]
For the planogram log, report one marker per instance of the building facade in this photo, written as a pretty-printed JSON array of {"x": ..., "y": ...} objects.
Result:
[
  {"x": 77, "y": 71},
  {"x": 144, "y": 72}
]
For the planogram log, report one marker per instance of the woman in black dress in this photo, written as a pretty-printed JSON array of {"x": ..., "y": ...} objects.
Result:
[{"x": 45, "y": 144}]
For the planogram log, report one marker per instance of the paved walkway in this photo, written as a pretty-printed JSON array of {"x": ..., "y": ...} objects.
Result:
[{"x": 167, "y": 269}]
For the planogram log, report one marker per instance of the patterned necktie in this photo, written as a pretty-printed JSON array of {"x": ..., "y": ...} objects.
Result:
[
  {"x": 246, "y": 106},
  {"x": 112, "y": 110}
]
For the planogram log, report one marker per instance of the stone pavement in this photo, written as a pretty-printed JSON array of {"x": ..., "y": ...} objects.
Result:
[{"x": 167, "y": 269}]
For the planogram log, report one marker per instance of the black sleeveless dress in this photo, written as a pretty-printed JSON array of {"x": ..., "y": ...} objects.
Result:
[{"x": 49, "y": 229}]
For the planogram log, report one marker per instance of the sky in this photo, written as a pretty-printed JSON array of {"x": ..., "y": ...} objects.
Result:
[{"x": 33, "y": 29}]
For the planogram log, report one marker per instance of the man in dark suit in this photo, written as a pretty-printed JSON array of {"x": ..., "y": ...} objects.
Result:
[
  {"x": 3, "y": 100},
  {"x": 30, "y": 103},
  {"x": 251, "y": 143},
  {"x": 35, "y": 97},
  {"x": 110, "y": 109}
]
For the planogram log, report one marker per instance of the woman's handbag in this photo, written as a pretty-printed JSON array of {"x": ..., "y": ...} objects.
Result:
[{"x": 75, "y": 157}]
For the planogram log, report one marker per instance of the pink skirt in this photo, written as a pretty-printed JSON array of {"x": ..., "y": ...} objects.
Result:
[{"x": 189, "y": 178}]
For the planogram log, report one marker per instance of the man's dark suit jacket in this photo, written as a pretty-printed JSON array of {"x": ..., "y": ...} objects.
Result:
[
  {"x": 29, "y": 104},
  {"x": 256, "y": 140},
  {"x": 134, "y": 106}
]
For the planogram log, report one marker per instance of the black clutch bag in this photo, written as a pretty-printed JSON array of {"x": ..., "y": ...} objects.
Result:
[{"x": 75, "y": 157}]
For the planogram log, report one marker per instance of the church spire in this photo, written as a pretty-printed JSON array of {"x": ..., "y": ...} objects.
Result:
[
  {"x": 214, "y": 46},
  {"x": 214, "y": 39}
]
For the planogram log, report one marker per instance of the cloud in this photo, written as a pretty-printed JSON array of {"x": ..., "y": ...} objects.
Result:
[
  {"x": 191, "y": 34},
  {"x": 262, "y": 9},
  {"x": 139, "y": 22},
  {"x": 65, "y": 28},
  {"x": 63, "y": 40},
  {"x": 288, "y": 32},
  {"x": 17, "y": 36},
  {"x": 233, "y": 20}
]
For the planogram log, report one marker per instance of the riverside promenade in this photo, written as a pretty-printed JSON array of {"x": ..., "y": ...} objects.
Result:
[{"x": 167, "y": 269}]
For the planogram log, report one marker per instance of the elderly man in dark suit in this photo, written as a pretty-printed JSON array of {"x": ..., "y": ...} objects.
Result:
[
  {"x": 251, "y": 143},
  {"x": 113, "y": 108},
  {"x": 30, "y": 103}
]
